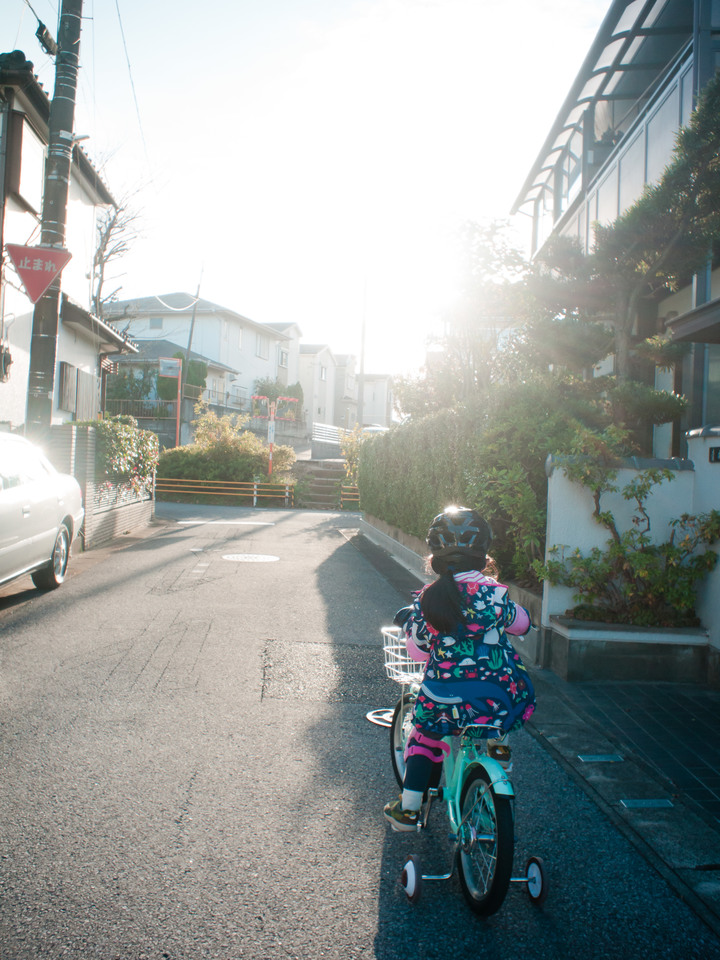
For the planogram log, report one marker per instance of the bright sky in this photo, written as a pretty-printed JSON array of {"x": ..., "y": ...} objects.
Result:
[{"x": 312, "y": 158}]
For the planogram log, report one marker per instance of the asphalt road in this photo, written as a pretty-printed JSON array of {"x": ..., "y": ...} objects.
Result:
[{"x": 188, "y": 771}]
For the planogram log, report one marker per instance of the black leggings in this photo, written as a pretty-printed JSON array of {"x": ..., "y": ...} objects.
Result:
[{"x": 421, "y": 769}]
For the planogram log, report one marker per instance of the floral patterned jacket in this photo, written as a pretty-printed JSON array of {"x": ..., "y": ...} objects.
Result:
[{"x": 473, "y": 677}]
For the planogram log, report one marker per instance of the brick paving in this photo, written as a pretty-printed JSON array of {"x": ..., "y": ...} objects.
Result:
[{"x": 673, "y": 728}]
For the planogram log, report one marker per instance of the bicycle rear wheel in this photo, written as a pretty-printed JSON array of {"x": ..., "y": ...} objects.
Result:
[
  {"x": 399, "y": 732},
  {"x": 485, "y": 854}
]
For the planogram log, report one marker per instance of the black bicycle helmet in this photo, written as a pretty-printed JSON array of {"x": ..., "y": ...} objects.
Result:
[{"x": 459, "y": 530}]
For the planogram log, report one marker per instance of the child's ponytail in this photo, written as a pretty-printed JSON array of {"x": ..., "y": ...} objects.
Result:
[{"x": 441, "y": 604}]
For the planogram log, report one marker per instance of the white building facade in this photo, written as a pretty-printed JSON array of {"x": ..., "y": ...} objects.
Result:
[
  {"x": 83, "y": 340},
  {"x": 238, "y": 350}
]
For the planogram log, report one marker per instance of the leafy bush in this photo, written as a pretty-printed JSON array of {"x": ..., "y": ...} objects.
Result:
[
  {"x": 633, "y": 580},
  {"x": 407, "y": 475},
  {"x": 491, "y": 459},
  {"x": 507, "y": 481},
  {"x": 223, "y": 450},
  {"x": 125, "y": 454},
  {"x": 350, "y": 449}
]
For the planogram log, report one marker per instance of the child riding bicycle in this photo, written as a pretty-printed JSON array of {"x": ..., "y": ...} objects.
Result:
[{"x": 473, "y": 677}]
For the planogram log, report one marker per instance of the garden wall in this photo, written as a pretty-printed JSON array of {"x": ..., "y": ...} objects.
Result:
[
  {"x": 570, "y": 523},
  {"x": 704, "y": 450},
  {"x": 582, "y": 651}
]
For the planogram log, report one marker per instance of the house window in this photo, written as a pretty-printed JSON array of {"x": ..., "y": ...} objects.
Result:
[
  {"x": 156, "y": 323},
  {"x": 283, "y": 358},
  {"x": 608, "y": 198},
  {"x": 661, "y": 135},
  {"x": 323, "y": 373},
  {"x": 78, "y": 392},
  {"x": 632, "y": 172},
  {"x": 711, "y": 413},
  {"x": 262, "y": 347},
  {"x": 67, "y": 387}
]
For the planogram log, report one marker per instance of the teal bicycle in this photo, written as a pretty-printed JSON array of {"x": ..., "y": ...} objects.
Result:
[{"x": 480, "y": 802}]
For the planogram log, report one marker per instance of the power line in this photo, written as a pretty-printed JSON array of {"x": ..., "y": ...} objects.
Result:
[
  {"x": 132, "y": 83},
  {"x": 167, "y": 306},
  {"x": 27, "y": 2}
]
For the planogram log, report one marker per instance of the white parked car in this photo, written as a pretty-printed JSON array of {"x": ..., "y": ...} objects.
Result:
[{"x": 41, "y": 513}]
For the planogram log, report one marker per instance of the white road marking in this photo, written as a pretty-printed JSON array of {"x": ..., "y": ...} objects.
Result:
[
  {"x": 225, "y": 523},
  {"x": 250, "y": 558}
]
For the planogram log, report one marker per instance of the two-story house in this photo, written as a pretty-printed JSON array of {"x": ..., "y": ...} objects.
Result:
[
  {"x": 84, "y": 341},
  {"x": 288, "y": 352},
  {"x": 614, "y": 134},
  {"x": 237, "y": 350}
]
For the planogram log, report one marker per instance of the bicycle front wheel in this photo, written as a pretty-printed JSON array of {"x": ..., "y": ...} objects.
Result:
[
  {"x": 399, "y": 732},
  {"x": 485, "y": 854}
]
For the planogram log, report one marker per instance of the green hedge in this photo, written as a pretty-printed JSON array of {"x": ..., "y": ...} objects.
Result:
[
  {"x": 491, "y": 459},
  {"x": 408, "y": 474},
  {"x": 241, "y": 458},
  {"x": 124, "y": 454}
]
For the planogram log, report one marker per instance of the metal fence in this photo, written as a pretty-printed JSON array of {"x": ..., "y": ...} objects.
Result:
[{"x": 280, "y": 494}]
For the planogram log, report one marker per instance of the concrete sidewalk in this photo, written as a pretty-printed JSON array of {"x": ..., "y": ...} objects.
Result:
[{"x": 623, "y": 744}]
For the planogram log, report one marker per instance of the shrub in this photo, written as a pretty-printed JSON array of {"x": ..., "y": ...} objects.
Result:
[
  {"x": 350, "y": 449},
  {"x": 506, "y": 480},
  {"x": 125, "y": 455},
  {"x": 492, "y": 459},
  {"x": 224, "y": 450},
  {"x": 407, "y": 475}
]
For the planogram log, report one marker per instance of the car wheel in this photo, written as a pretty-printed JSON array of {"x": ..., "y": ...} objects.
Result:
[{"x": 52, "y": 574}]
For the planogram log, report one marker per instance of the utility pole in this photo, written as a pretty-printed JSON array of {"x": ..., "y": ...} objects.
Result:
[
  {"x": 186, "y": 364},
  {"x": 43, "y": 345},
  {"x": 361, "y": 377}
]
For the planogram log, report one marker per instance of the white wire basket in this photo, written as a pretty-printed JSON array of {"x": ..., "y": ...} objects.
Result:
[{"x": 398, "y": 665}]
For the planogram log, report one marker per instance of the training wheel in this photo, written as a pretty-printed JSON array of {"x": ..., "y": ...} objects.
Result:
[
  {"x": 411, "y": 878},
  {"x": 537, "y": 885}
]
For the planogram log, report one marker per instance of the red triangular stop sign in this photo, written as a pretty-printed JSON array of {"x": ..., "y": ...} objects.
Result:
[{"x": 37, "y": 267}]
